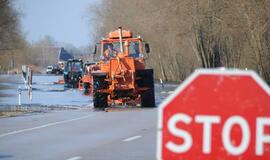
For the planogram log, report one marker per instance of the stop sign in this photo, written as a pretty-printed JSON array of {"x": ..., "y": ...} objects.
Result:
[{"x": 216, "y": 114}]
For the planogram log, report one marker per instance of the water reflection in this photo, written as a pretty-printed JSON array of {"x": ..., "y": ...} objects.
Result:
[
  {"x": 7, "y": 84},
  {"x": 45, "y": 92}
]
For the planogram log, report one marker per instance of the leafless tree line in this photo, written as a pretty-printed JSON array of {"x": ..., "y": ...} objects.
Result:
[
  {"x": 11, "y": 40},
  {"x": 16, "y": 51},
  {"x": 189, "y": 34},
  {"x": 234, "y": 34},
  {"x": 9, "y": 26}
]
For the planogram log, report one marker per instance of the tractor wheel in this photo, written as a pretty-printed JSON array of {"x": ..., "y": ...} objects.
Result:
[
  {"x": 86, "y": 88},
  {"x": 100, "y": 99},
  {"x": 146, "y": 80},
  {"x": 148, "y": 98},
  {"x": 74, "y": 84}
]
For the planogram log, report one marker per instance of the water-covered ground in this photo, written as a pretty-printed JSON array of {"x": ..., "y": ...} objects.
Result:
[{"x": 45, "y": 92}]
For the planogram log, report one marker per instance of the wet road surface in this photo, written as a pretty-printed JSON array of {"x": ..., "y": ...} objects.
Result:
[{"x": 75, "y": 134}]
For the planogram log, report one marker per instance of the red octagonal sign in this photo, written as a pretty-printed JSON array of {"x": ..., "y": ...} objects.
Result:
[{"x": 216, "y": 114}]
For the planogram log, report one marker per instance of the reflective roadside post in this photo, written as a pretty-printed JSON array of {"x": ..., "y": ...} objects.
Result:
[
  {"x": 30, "y": 78},
  {"x": 161, "y": 82},
  {"x": 19, "y": 97}
]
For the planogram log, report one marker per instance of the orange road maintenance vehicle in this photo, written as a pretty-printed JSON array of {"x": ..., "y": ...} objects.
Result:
[
  {"x": 120, "y": 76},
  {"x": 86, "y": 82}
]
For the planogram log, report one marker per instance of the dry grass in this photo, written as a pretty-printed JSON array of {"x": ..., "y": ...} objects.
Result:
[{"x": 11, "y": 113}]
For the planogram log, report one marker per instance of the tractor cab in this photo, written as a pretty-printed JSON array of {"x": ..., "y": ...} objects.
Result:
[
  {"x": 86, "y": 82},
  {"x": 73, "y": 72},
  {"x": 126, "y": 46},
  {"x": 87, "y": 67}
]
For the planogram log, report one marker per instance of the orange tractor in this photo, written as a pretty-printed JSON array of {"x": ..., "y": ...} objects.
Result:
[{"x": 120, "y": 76}]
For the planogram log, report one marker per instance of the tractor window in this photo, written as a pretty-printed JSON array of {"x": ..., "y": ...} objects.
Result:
[
  {"x": 110, "y": 50},
  {"x": 116, "y": 46},
  {"x": 134, "y": 50},
  {"x": 67, "y": 67},
  {"x": 77, "y": 66},
  {"x": 86, "y": 68},
  {"x": 113, "y": 46}
]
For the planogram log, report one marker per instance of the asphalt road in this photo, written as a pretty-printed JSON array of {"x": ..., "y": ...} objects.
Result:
[{"x": 80, "y": 134}]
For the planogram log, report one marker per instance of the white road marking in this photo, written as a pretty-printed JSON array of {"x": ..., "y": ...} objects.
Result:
[
  {"x": 43, "y": 126},
  {"x": 131, "y": 138},
  {"x": 75, "y": 158}
]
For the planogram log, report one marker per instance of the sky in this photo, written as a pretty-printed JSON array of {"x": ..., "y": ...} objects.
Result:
[{"x": 64, "y": 20}]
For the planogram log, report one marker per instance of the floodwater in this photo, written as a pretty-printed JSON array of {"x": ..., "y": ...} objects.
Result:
[{"x": 45, "y": 92}]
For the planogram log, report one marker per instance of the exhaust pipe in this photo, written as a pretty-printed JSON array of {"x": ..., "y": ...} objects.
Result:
[{"x": 120, "y": 39}]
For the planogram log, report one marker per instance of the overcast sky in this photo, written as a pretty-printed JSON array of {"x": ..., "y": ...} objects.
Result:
[{"x": 64, "y": 20}]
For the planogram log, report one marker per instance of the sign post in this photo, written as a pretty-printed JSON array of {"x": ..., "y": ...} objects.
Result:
[{"x": 216, "y": 114}]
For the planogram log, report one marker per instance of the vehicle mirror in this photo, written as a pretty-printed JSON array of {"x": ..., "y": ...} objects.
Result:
[
  {"x": 147, "y": 48},
  {"x": 95, "y": 49}
]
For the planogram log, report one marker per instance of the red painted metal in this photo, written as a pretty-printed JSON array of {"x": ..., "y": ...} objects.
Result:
[{"x": 237, "y": 102}]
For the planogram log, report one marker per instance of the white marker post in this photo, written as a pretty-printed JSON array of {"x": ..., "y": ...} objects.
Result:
[
  {"x": 30, "y": 79},
  {"x": 19, "y": 97}
]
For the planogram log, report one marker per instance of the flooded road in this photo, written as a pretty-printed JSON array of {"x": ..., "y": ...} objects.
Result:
[
  {"x": 73, "y": 133},
  {"x": 45, "y": 92},
  {"x": 7, "y": 84}
]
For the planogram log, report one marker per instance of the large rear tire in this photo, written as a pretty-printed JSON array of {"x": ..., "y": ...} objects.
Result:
[
  {"x": 148, "y": 98},
  {"x": 100, "y": 99},
  {"x": 146, "y": 80}
]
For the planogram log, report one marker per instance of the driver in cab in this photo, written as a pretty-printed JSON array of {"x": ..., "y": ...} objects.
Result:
[{"x": 110, "y": 52}]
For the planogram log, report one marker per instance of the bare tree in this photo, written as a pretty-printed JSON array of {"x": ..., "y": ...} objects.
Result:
[
  {"x": 189, "y": 34},
  {"x": 12, "y": 42}
]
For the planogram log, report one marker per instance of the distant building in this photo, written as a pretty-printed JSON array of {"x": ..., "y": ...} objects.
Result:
[{"x": 63, "y": 56}]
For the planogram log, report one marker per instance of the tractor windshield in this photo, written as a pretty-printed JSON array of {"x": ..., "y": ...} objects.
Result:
[
  {"x": 72, "y": 66},
  {"x": 76, "y": 66},
  {"x": 110, "y": 50},
  {"x": 115, "y": 46}
]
